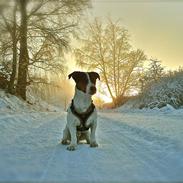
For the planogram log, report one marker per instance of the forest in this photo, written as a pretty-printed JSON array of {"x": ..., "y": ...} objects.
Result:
[{"x": 36, "y": 41}]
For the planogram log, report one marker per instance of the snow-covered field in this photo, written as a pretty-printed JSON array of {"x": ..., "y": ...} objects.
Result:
[{"x": 134, "y": 146}]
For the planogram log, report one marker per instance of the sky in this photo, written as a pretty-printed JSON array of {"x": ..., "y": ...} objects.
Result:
[{"x": 155, "y": 26}]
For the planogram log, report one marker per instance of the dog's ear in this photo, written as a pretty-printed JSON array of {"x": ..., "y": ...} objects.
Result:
[
  {"x": 70, "y": 75},
  {"x": 76, "y": 75},
  {"x": 94, "y": 75}
]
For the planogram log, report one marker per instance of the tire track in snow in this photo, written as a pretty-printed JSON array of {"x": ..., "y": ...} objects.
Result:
[
  {"x": 35, "y": 144},
  {"x": 139, "y": 146},
  {"x": 153, "y": 152}
]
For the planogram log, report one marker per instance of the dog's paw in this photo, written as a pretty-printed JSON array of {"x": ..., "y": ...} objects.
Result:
[
  {"x": 93, "y": 144},
  {"x": 71, "y": 148},
  {"x": 65, "y": 142}
]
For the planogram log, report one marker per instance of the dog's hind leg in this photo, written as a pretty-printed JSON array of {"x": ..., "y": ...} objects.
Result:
[
  {"x": 87, "y": 136},
  {"x": 83, "y": 136},
  {"x": 66, "y": 136}
]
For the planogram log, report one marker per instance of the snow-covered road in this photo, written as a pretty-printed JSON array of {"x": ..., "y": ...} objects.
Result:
[{"x": 133, "y": 147}]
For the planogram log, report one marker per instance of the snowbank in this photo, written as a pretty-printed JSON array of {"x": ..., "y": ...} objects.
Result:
[
  {"x": 129, "y": 108},
  {"x": 11, "y": 103},
  {"x": 167, "y": 93}
]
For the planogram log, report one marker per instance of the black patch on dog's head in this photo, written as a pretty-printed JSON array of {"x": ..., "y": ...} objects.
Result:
[{"x": 81, "y": 79}]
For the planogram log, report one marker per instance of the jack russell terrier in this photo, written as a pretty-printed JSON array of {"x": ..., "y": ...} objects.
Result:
[{"x": 81, "y": 114}]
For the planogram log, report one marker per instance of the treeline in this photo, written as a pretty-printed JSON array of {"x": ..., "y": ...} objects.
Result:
[
  {"x": 125, "y": 70},
  {"x": 106, "y": 47},
  {"x": 36, "y": 34},
  {"x": 34, "y": 37}
]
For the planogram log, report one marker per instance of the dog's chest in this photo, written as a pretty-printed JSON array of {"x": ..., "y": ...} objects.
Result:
[
  {"x": 81, "y": 106},
  {"x": 81, "y": 101}
]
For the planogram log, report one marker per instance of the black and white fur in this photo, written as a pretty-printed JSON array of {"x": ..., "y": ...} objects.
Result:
[{"x": 85, "y": 88}]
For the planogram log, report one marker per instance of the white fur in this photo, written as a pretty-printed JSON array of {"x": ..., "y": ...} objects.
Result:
[
  {"x": 82, "y": 101},
  {"x": 89, "y": 85}
]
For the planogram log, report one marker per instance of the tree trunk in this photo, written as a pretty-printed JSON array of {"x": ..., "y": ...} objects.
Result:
[
  {"x": 23, "y": 59},
  {"x": 114, "y": 58}
]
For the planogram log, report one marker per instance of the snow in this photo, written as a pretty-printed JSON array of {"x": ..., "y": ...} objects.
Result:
[
  {"x": 166, "y": 91},
  {"x": 134, "y": 146},
  {"x": 10, "y": 103}
]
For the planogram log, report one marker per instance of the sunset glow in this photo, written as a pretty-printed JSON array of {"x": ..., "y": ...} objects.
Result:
[
  {"x": 155, "y": 26},
  {"x": 105, "y": 98}
]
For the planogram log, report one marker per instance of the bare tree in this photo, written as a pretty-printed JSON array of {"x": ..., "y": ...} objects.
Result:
[
  {"x": 44, "y": 35},
  {"x": 155, "y": 70},
  {"x": 106, "y": 48},
  {"x": 152, "y": 74}
]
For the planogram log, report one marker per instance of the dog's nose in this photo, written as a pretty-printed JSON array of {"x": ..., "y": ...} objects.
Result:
[{"x": 93, "y": 89}]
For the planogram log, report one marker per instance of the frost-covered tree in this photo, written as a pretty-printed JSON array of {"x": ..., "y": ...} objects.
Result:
[
  {"x": 167, "y": 90},
  {"x": 9, "y": 40},
  {"x": 153, "y": 73},
  {"x": 155, "y": 70}
]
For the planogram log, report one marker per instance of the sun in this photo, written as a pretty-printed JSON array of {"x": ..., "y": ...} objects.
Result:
[
  {"x": 102, "y": 93},
  {"x": 106, "y": 99},
  {"x": 102, "y": 97}
]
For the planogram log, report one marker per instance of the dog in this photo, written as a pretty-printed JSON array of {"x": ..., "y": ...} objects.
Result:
[{"x": 81, "y": 114}]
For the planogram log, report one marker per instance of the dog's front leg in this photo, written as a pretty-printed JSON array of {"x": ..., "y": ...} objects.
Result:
[
  {"x": 93, "y": 142},
  {"x": 66, "y": 136},
  {"x": 73, "y": 144}
]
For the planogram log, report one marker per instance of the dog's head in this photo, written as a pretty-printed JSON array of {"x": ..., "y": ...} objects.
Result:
[{"x": 85, "y": 81}]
